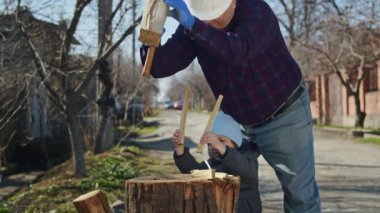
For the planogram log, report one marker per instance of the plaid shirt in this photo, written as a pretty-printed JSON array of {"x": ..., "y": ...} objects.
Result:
[{"x": 248, "y": 62}]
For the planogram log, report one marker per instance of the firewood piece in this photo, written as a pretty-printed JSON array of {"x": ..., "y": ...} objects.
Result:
[
  {"x": 211, "y": 120},
  {"x": 92, "y": 202},
  {"x": 185, "y": 108},
  {"x": 209, "y": 174},
  {"x": 181, "y": 194}
]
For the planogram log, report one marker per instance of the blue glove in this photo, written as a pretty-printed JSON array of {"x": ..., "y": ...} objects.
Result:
[{"x": 181, "y": 13}]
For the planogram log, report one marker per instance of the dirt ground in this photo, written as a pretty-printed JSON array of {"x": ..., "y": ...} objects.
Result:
[{"x": 348, "y": 173}]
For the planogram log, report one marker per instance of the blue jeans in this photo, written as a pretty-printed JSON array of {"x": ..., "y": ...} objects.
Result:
[{"x": 286, "y": 143}]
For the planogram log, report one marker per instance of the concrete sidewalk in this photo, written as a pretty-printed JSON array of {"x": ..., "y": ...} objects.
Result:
[{"x": 11, "y": 184}]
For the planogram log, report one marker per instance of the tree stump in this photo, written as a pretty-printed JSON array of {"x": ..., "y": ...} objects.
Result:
[
  {"x": 181, "y": 194},
  {"x": 92, "y": 202}
]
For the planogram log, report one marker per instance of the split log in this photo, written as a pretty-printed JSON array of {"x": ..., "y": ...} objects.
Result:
[
  {"x": 181, "y": 194},
  {"x": 210, "y": 121},
  {"x": 185, "y": 109},
  {"x": 92, "y": 202}
]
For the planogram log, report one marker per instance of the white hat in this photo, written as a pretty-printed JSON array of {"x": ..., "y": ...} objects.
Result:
[
  {"x": 207, "y": 9},
  {"x": 225, "y": 125}
]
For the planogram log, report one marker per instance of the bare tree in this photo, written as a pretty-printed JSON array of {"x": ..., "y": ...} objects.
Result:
[
  {"x": 333, "y": 36},
  {"x": 202, "y": 96},
  {"x": 104, "y": 137},
  {"x": 75, "y": 79},
  {"x": 176, "y": 89},
  {"x": 298, "y": 18},
  {"x": 346, "y": 43},
  {"x": 127, "y": 87},
  {"x": 12, "y": 101},
  {"x": 18, "y": 86}
]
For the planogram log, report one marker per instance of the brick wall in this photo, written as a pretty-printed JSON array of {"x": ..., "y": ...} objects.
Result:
[{"x": 332, "y": 105}]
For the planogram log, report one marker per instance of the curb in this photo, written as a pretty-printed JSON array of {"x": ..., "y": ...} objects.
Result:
[{"x": 345, "y": 133}]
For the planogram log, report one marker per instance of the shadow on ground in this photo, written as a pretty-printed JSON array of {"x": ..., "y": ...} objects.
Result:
[
  {"x": 151, "y": 123},
  {"x": 162, "y": 144}
]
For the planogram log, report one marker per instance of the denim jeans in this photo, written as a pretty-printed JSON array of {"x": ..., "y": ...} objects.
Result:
[{"x": 286, "y": 143}]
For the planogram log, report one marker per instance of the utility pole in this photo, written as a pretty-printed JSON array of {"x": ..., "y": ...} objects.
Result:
[
  {"x": 135, "y": 73},
  {"x": 104, "y": 137}
]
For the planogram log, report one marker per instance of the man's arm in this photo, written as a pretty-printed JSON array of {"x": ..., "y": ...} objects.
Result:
[
  {"x": 175, "y": 55},
  {"x": 256, "y": 28}
]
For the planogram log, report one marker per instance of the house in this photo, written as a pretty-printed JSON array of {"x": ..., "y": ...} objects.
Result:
[
  {"x": 331, "y": 104},
  {"x": 34, "y": 121}
]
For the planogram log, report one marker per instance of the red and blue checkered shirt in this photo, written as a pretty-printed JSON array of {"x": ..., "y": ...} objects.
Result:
[{"x": 248, "y": 62}]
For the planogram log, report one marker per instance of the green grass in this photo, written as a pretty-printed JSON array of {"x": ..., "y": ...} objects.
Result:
[
  {"x": 138, "y": 129},
  {"x": 372, "y": 130},
  {"x": 333, "y": 126},
  {"x": 132, "y": 149},
  {"x": 144, "y": 130},
  {"x": 107, "y": 172},
  {"x": 370, "y": 140}
]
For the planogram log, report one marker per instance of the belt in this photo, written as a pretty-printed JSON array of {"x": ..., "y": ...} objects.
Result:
[
  {"x": 296, "y": 94},
  {"x": 290, "y": 100}
]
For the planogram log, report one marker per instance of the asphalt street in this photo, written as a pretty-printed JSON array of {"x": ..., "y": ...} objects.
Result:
[{"x": 348, "y": 172}]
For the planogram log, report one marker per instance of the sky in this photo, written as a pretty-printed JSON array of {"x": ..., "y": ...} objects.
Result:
[{"x": 55, "y": 10}]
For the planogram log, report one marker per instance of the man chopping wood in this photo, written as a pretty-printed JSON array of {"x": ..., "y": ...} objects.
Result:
[{"x": 244, "y": 57}]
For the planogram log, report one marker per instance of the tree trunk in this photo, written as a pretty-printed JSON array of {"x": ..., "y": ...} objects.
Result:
[
  {"x": 360, "y": 115},
  {"x": 75, "y": 133},
  {"x": 104, "y": 138},
  {"x": 359, "y": 120},
  {"x": 181, "y": 194}
]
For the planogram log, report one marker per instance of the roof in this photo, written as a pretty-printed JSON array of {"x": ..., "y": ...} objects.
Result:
[{"x": 14, "y": 51}]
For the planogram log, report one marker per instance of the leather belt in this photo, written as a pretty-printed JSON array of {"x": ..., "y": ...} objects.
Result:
[
  {"x": 287, "y": 103},
  {"x": 290, "y": 100}
]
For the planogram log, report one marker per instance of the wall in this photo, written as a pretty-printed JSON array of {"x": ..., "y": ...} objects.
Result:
[{"x": 334, "y": 107}]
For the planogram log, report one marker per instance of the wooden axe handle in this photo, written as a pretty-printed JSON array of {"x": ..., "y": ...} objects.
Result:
[{"x": 148, "y": 62}]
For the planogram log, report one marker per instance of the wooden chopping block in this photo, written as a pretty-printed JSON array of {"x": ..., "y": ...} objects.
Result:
[
  {"x": 181, "y": 193},
  {"x": 152, "y": 25}
]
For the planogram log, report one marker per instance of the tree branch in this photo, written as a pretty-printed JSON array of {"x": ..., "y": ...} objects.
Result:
[
  {"x": 40, "y": 66},
  {"x": 336, "y": 7},
  {"x": 361, "y": 73},
  {"x": 69, "y": 35},
  {"x": 332, "y": 63},
  {"x": 104, "y": 39},
  {"x": 107, "y": 53}
]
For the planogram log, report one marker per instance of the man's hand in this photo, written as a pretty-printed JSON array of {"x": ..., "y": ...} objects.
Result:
[
  {"x": 181, "y": 13},
  {"x": 213, "y": 140},
  {"x": 179, "y": 148}
]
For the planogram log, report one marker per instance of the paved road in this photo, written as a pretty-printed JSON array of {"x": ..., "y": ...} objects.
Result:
[{"x": 348, "y": 173}]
